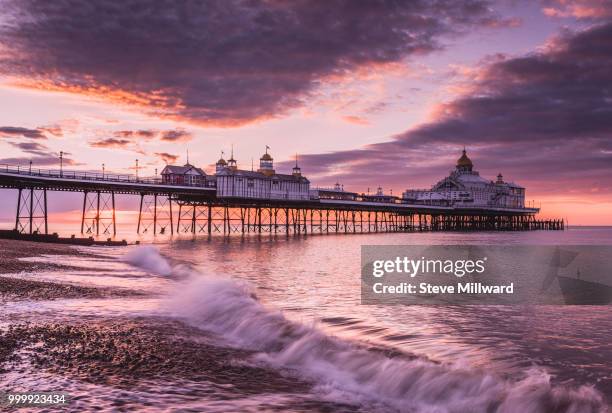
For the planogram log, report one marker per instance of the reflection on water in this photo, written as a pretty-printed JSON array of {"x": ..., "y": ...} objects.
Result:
[{"x": 315, "y": 280}]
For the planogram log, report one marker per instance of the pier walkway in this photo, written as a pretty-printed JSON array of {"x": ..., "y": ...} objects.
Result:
[{"x": 197, "y": 209}]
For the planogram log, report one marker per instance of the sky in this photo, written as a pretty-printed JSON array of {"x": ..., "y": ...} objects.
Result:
[{"x": 367, "y": 93}]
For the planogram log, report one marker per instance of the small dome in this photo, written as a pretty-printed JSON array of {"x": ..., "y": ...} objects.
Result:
[
  {"x": 221, "y": 161},
  {"x": 464, "y": 160},
  {"x": 266, "y": 157}
]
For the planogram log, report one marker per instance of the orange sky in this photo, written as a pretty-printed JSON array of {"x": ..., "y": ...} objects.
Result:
[{"x": 367, "y": 111}]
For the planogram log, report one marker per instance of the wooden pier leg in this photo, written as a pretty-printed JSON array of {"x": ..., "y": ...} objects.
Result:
[
  {"x": 270, "y": 220},
  {"x": 45, "y": 210},
  {"x": 209, "y": 219},
  {"x": 98, "y": 213},
  {"x": 154, "y": 214},
  {"x": 114, "y": 217},
  {"x": 193, "y": 219},
  {"x": 259, "y": 220},
  {"x": 248, "y": 219},
  {"x": 83, "y": 215},
  {"x": 19, "y": 208},
  {"x": 171, "y": 219},
  {"x": 375, "y": 221},
  {"x": 242, "y": 212},
  {"x": 178, "y": 221},
  {"x": 31, "y": 207},
  {"x": 287, "y": 220},
  {"x": 139, "y": 214},
  {"x": 337, "y": 221},
  {"x": 311, "y": 221}
]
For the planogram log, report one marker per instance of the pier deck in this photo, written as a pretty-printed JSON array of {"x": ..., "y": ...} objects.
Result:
[{"x": 201, "y": 211}]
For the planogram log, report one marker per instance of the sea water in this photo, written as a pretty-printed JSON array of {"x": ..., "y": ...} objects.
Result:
[{"x": 295, "y": 303}]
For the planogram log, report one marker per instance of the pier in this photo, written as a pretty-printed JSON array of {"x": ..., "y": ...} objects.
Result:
[{"x": 197, "y": 209}]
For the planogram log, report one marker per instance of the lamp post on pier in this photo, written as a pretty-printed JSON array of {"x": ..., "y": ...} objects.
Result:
[
  {"x": 103, "y": 166},
  {"x": 137, "y": 169},
  {"x": 61, "y": 163}
]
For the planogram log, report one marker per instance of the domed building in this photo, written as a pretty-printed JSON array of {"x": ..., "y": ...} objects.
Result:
[
  {"x": 264, "y": 183},
  {"x": 464, "y": 163},
  {"x": 221, "y": 164},
  {"x": 464, "y": 187}
]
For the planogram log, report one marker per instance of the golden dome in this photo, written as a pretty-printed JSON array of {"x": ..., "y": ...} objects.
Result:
[
  {"x": 266, "y": 157},
  {"x": 221, "y": 161},
  {"x": 464, "y": 160}
]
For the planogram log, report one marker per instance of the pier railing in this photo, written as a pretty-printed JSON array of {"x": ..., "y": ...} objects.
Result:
[
  {"x": 88, "y": 176},
  {"x": 200, "y": 210}
]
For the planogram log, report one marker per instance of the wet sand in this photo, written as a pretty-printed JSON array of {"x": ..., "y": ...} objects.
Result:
[
  {"x": 15, "y": 288},
  {"x": 121, "y": 352},
  {"x": 147, "y": 355}
]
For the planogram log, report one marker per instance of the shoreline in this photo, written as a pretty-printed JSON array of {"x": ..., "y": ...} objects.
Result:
[
  {"x": 15, "y": 288},
  {"x": 147, "y": 355}
]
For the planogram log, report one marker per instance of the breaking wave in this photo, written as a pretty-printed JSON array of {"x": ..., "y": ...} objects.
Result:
[
  {"x": 346, "y": 371},
  {"x": 148, "y": 258}
]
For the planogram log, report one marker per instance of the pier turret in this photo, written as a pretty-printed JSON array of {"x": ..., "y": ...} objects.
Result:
[
  {"x": 464, "y": 163},
  {"x": 297, "y": 172},
  {"x": 221, "y": 164},
  {"x": 266, "y": 164}
]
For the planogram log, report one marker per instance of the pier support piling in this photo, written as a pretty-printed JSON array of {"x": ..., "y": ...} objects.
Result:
[
  {"x": 98, "y": 213},
  {"x": 31, "y": 216}
]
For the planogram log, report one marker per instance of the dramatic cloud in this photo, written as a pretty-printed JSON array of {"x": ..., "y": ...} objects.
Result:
[
  {"x": 218, "y": 62},
  {"x": 178, "y": 135},
  {"x": 130, "y": 139},
  {"x": 34, "y": 148},
  {"x": 544, "y": 117},
  {"x": 166, "y": 157},
  {"x": 19, "y": 132},
  {"x": 47, "y": 159},
  {"x": 580, "y": 9},
  {"x": 172, "y": 135},
  {"x": 111, "y": 143},
  {"x": 139, "y": 134}
]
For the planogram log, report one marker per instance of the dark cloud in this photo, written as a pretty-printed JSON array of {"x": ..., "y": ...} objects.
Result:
[
  {"x": 177, "y": 135},
  {"x": 34, "y": 148},
  {"x": 545, "y": 119},
  {"x": 142, "y": 134},
  {"x": 19, "y": 132},
  {"x": 166, "y": 157},
  {"x": 130, "y": 139},
  {"x": 592, "y": 10},
  {"x": 172, "y": 135},
  {"x": 111, "y": 143},
  {"x": 48, "y": 160},
  {"x": 222, "y": 62}
]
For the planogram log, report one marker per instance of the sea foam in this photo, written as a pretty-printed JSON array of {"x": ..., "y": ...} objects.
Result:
[
  {"x": 361, "y": 376},
  {"x": 148, "y": 258}
]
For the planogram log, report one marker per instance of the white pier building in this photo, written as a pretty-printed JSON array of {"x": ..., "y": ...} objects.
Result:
[
  {"x": 464, "y": 187},
  {"x": 264, "y": 183}
]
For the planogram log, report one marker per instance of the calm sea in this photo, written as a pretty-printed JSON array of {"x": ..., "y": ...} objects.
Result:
[{"x": 295, "y": 301}]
